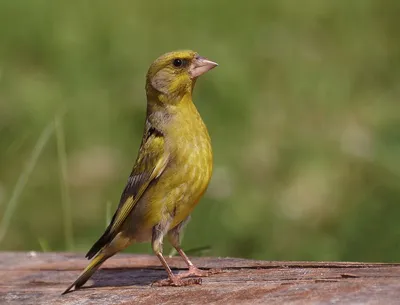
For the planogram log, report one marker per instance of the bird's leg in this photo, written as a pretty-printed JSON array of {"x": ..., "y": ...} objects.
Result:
[
  {"x": 174, "y": 239},
  {"x": 173, "y": 280},
  {"x": 193, "y": 270}
]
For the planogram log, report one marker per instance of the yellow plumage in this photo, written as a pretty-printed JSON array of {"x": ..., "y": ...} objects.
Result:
[{"x": 172, "y": 170}]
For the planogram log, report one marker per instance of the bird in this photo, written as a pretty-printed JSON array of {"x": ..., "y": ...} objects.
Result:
[{"x": 171, "y": 173}]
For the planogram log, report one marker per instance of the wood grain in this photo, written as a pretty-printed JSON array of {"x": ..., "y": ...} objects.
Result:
[{"x": 40, "y": 278}]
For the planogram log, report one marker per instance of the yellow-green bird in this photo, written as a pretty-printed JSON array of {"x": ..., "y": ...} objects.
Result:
[{"x": 172, "y": 170}]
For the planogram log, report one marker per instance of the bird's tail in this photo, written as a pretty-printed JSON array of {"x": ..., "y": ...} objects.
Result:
[{"x": 88, "y": 272}]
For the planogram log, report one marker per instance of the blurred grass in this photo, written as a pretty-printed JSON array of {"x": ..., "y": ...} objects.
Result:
[
  {"x": 23, "y": 179},
  {"x": 303, "y": 112},
  {"x": 65, "y": 197}
]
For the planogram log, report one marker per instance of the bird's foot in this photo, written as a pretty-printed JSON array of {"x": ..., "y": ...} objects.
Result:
[
  {"x": 177, "y": 281},
  {"x": 194, "y": 271}
]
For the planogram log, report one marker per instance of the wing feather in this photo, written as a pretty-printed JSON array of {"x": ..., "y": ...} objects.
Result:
[{"x": 151, "y": 162}]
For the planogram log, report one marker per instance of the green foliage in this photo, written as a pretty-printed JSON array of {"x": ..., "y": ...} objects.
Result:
[{"x": 303, "y": 112}]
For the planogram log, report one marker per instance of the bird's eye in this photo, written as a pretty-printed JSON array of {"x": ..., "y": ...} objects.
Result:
[{"x": 177, "y": 62}]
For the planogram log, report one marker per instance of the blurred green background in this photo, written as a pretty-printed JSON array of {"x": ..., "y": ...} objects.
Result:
[{"x": 303, "y": 112}]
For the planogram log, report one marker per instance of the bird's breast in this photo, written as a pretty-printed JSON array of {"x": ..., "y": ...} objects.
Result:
[
  {"x": 190, "y": 168},
  {"x": 192, "y": 159}
]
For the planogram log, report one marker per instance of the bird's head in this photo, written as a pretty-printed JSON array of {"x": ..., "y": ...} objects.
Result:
[{"x": 174, "y": 74}]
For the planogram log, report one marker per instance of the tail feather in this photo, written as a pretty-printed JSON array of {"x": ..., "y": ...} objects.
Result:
[{"x": 88, "y": 272}]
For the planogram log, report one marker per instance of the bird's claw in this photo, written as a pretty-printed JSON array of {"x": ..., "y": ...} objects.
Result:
[
  {"x": 194, "y": 271},
  {"x": 177, "y": 282}
]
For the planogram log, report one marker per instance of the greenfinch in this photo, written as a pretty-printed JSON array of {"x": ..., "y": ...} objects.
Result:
[{"x": 171, "y": 173}]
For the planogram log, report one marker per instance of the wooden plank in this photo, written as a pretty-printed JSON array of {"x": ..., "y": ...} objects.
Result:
[{"x": 40, "y": 278}]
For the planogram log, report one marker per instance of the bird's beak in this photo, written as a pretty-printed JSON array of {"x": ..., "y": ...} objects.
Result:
[{"x": 200, "y": 65}]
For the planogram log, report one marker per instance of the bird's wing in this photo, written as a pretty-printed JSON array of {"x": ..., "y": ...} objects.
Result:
[{"x": 151, "y": 162}]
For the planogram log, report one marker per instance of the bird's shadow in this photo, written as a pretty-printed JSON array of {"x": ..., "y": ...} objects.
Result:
[{"x": 120, "y": 277}]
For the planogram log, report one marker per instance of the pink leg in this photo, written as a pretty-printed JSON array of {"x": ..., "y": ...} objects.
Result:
[
  {"x": 193, "y": 270},
  {"x": 173, "y": 280}
]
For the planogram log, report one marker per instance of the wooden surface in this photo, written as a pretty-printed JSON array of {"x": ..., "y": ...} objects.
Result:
[{"x": 40, "y": 278}]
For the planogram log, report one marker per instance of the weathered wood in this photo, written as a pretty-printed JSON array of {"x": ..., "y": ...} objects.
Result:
[{"x": 40, "y": 278}]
